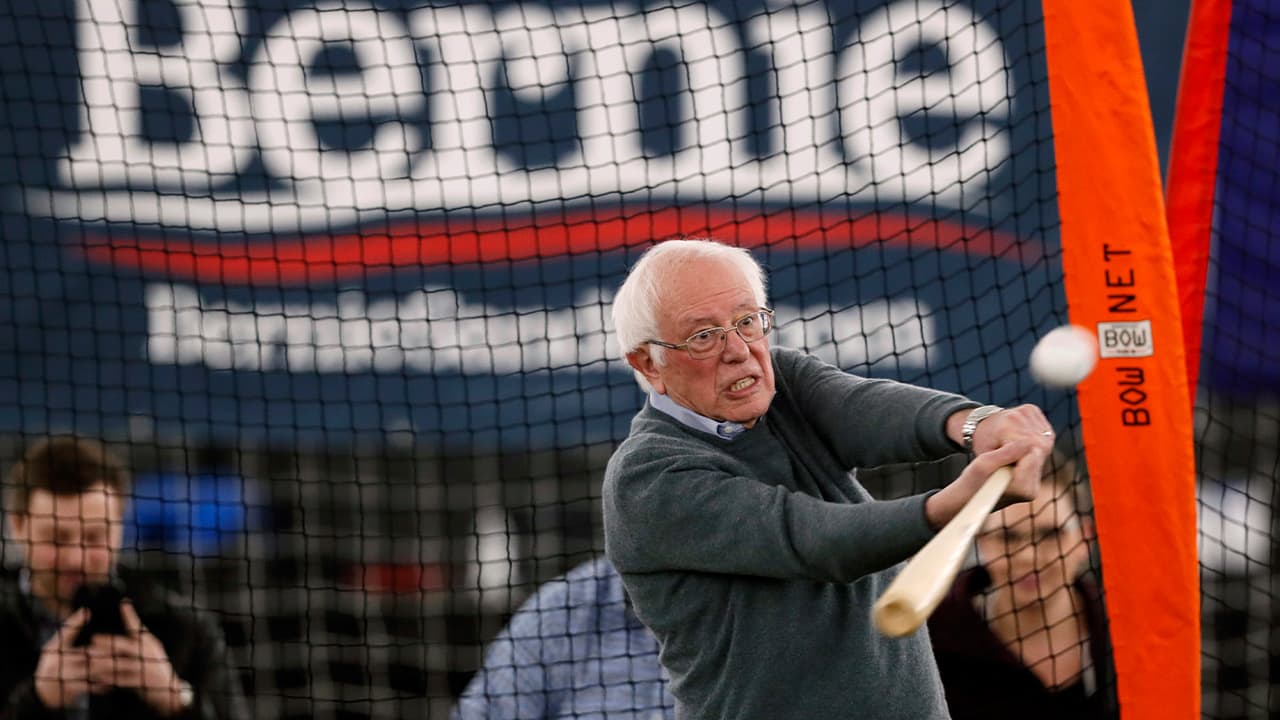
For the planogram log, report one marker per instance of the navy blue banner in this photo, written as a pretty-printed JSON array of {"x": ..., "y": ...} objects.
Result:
[
  {"x": 1242, "y": 335},
  {"x": 296, "y": 221}
]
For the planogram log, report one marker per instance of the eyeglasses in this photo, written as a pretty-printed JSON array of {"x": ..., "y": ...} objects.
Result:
[{"x": 709, "y": 342}]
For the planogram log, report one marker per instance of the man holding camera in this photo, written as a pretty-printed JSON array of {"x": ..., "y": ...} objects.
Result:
[{"x": 78, "y": 641}]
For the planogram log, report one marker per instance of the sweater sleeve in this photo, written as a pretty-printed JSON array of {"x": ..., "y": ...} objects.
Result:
[
  {"x": 868, "y": 422},
  {"x": 667, "y": 509}
]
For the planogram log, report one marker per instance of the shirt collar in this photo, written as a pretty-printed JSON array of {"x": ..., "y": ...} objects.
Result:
[
  {"x": 48, "y": 622},
  {"x": 723, "y": 429}
]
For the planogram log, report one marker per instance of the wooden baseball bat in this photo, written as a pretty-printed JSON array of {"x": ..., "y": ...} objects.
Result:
[{"x": 912, "y": 596}]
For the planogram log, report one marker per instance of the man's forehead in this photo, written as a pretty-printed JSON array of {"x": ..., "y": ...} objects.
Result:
[
  {"x": 95, "y": 503},
  {"x": 704, "y": 316}
]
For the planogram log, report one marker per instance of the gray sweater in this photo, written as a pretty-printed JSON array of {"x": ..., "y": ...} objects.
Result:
[{"x": 756, "y": 561}]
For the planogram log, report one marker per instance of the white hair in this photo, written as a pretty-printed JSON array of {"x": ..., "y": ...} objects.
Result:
[{"x": 637, "y": 304}]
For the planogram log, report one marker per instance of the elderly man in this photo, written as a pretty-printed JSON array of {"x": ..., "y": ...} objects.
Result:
[{"x": 744, "y": 540}]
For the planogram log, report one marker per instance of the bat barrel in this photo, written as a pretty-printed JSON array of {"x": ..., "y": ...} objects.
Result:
[{"x": 912, "y": 596}]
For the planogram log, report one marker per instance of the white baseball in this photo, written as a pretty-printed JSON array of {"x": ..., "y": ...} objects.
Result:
[{"x": 1064, "y": 357}]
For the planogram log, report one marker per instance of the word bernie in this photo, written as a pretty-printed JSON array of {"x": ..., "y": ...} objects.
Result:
[{"x": 417, "y": 128}]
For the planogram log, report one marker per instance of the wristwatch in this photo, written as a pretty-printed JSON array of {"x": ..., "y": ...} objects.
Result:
[
  {"x": 186, "y": 695},
  {"x": 970, "y": 425}
]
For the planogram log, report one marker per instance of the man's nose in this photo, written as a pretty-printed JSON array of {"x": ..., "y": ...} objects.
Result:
[
  {"x": 1024, "y": 555},
  {"x": 80, "y": 557},
  {"x": 735, "y": 348},
  {"x": 70, "y": 558}
]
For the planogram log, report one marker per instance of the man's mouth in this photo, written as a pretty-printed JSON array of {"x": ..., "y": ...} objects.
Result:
[
  {"x": 1029, "y": 581},
  {"x": 70, "y": 580},
  {"x": 742, "y": 384}
]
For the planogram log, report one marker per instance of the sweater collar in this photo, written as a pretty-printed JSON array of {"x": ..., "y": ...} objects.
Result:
[{"x": 723, "y": 429}]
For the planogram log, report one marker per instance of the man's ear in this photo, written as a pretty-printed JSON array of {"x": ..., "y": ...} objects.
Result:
[
  {"x": 17, "y": 526},
  {"x": 643, "y": 363}
]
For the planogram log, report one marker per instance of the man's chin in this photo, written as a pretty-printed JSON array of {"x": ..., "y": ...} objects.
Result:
[
  {"x": 60, "y": 591},
  {"x": 748, "y": 414},
  {"x": 66, "y": 596}
]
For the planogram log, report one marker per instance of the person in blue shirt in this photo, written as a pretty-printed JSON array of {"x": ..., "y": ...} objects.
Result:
[{"x": 573, "y": 650}]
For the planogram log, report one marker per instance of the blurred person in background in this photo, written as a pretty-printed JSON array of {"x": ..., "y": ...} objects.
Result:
[
  {"x": 573, "y": 650},
  {"x": 64, "y": 501},
  {"x": 1024, "y": 634}
]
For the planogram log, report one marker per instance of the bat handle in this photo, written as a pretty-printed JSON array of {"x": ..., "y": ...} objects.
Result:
[{"x": 912, "y": 596}]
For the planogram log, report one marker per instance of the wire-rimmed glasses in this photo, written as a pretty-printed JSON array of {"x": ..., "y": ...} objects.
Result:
[{"x": 710, "y": 341}]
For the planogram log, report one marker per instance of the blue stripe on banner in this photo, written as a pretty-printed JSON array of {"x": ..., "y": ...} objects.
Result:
[{"x": 1242, "y": 335}]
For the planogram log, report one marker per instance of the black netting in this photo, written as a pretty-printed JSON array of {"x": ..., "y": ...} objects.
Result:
[
  {"x": 1237, "y": 414},
  {"x": 334, "y": 280}
]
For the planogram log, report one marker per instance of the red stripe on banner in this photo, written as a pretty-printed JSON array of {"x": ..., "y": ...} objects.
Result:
[
  {"x": 1135, "y": 406},
  {"x": 316, "y": 259},
  {"x": 1193, "y": 165}
]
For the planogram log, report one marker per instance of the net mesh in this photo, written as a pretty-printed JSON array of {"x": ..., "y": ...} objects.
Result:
[
  {"x": 1236, "y": 412},
  {"x": 335, "y": 281}
]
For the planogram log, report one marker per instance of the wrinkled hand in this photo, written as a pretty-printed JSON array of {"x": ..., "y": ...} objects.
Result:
[
  {"x": 135, "y": 661},
  {"x": 1025, "y": 427},
  {"x": 945, "y": 504},
  {"x": 62, "y": 672}
]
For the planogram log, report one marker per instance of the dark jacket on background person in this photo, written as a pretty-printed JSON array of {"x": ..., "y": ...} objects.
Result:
[
  {"x": 984, "y": 680},
  {"x": 193, "y": 642}
]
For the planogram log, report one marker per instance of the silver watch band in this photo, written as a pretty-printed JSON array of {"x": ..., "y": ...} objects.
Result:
[{"x": 970, "y": 425}]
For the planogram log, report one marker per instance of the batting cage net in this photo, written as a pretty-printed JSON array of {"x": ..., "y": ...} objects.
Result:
[
  {"x": 334, "y": 281},
  {"x": 1236, "y": 414}
]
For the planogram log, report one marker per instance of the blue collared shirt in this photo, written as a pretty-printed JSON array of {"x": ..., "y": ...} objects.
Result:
[
  {"x": 573, "y": 650},
  {"x": 723, "y": 429}
]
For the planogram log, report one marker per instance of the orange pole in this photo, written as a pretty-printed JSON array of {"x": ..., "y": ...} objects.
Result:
[
  {"x": 1120, "y": 281},
  {"x": 1193, "y": 164}
]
